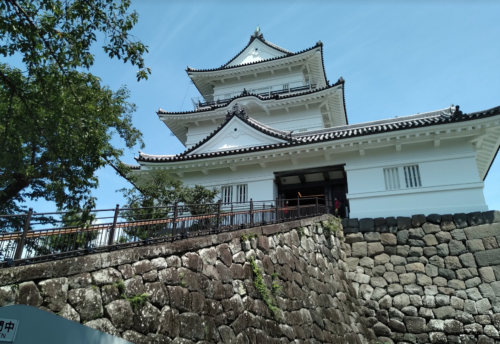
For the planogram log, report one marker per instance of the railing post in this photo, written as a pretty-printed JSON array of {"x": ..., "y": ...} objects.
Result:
[
  {"x": 251, "y": 212},
  {"x": 113, "y": 227},
  {"x": 317, "y": 206},
  {"x": 232, "y": 214},
  {"x": 263, "y": 213},
  {"x": 276, "y": 210},
  {"x": 20, "y": 245},
  {"x": 174, "y": 223},
  {"x": 218, "y": 216},
  {"x": 298, "y": 208}
]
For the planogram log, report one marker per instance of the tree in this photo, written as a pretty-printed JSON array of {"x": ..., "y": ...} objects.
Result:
[
  {"x": 57, "y": 119},
  {"x": 156, "y": 199}
]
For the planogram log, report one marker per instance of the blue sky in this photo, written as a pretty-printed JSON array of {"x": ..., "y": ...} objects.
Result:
[{"x": 398, "y": 58}]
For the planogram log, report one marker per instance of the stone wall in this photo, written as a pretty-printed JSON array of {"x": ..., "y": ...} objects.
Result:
[
  {"x": 201, "y": 290},
  {"x": 433, "y": 279}
]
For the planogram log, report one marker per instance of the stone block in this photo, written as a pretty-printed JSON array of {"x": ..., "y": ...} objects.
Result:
[
  {"x": 351, "y": 238},
  {"x": 445, "y": 312},
  {"x": 434, "y": 218},
  {"x": 487, "y": 275},
  {"x": 492, "y": 216},
  {"x": 475, "y": 218},
  {"x": 55, "y": 292},
  {"x": 415, "y": 267},
  {"x": 87, "y": 302},
  {"x": 416, "y": 233},
  {"x": 107, "y": 276},
  {"x": 120, "y": 313},
  {"x": 483, "y": 231},
  {"x": 391, "y": 221},
  {"x": 487, "y": 258},
  {"x": 490, "y": 243},
  {"x": 452, "y": 326},
  {"x": 456, "y": 247},
  {"x": 460, "y": 220},
  {"x": 372, "y": 236},
  {"x": 415, "y": 324},
  {"x": 443, "y": 237},
  {"x": 483, "y": 306},
  {"x": 430, "y": 228},
  {"x": 447, "y": 225},
  {"x": 374, "y": 248},
  {"x": 475, "y": 245},
  {"x": 468, "y": 260},
  {"x": 366, "y": 225},
  {"x": 430, "y": 240},
  {"x": 407, "y": 278},
  {"x": 359, "y": 249},
  {"x": 403, "y": 222},
  {"x": 388, "y": 239},
  {"x": 28, "y": 295},
  {"x": 452, "y": 262},
  {"x": 418, "y": 220},
  {"x": 458, "y": 234},
  {"x": 402, "y": 237},
  {"x": 442, "y": 250},
  {"x": 353, "y": 223}
]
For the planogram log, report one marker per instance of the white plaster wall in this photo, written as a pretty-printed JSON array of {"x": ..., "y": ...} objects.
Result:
[
  {"x": 235, "y": 85},
  {"x": 450, "y": 180}
]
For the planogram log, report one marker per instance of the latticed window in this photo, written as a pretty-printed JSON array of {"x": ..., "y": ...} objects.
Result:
[
  {"x": 227, "y": 194},
  {"x": 412, "y": 176},
  {"x": 391, "y": 176},
  {"x": 410, "y": 173},
  {"x": 241, "y": 193}
]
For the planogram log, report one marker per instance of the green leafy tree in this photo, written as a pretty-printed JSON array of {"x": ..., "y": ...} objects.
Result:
[
  {"x": 57, "y": 119},
  {"x": 155, "y": 199}
]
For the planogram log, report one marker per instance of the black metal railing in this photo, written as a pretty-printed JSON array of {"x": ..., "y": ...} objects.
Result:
[{"x": 36, "y": 237}]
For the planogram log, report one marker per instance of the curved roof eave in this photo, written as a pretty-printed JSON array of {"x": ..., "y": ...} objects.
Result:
[
  {"x": 262, "y": 98},
  {"x": 354, "y": 130},
  {"x": 226, "y": 67}
]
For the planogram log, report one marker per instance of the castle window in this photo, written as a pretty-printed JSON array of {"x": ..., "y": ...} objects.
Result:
[
  {"x": 391, "y": 176},
  {"x": 412, "y": 176},
  {"x": 234, "y": 193},
  {"x": 241, "y": 193},
  {"x": 227, "y": 194}
]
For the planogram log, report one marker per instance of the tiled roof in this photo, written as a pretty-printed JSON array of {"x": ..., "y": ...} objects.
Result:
[
  {"x": 225, "y": 66},
  {"x": 235, "y": 112},
  {"x": 132, "y": 167},
  {"x": 337, "y": 133},
  {"x": 261, "y": 97}
]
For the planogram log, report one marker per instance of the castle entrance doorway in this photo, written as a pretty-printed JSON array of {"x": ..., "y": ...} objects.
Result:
[{"x": 305, "y": 185}]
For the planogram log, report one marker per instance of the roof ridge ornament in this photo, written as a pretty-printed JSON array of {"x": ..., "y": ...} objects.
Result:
[{"x": 257, "y": 33}]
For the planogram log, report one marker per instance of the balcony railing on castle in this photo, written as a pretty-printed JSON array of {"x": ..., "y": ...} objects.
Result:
[
  {"x": 37, "y": 237},
  {"x": 268, "y": 91}
]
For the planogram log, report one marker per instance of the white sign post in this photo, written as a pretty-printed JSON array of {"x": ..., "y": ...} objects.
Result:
[{"x": 8, "y": 330}]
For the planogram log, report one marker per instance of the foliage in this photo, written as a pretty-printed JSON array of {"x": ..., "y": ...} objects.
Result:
[
  {"x": 58, "y": 120},
  {"x": 332, "y": 225},
  {"x": 248, "y": 236},
  {"x": 136, "y": 301},
  {"x": 301, "y": 231},
  {"x": 264, "y": 292},
  {"x": 156, "y": 198},
  {"x": 82, "y": 238}
]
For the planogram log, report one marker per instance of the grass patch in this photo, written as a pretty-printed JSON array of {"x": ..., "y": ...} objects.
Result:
[
  {"x": 264, "y": 292},
  {"x": 248, "y": 236},
  {"x": 301, "y": 232},
  {"x": 136, "y": 301},
  {"x": 332, "y": 226}
]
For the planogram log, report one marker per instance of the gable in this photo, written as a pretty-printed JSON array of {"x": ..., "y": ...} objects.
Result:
[
  {"x": 256, "y": 51},
  {"x": 236, "y": 134}
]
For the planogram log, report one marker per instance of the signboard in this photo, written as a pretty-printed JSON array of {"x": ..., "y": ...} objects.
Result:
[{"x": 8, "y": 330}]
